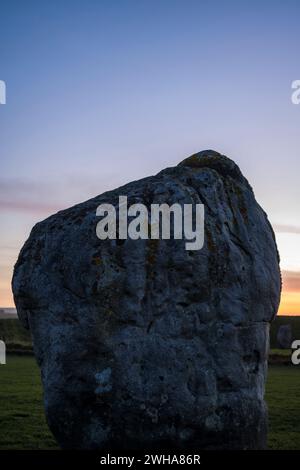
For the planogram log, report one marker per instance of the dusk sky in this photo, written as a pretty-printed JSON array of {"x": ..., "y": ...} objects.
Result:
[{"x": 104, "y": 92}]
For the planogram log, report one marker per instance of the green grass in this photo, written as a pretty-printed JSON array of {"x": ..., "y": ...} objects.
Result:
[
  {"x": 283, "y": 398},
  {"x": 23, "y": 425},
  {"x": 279, "y": 357},
  {"x": 22, "y": 420},
  {"x": 281, "y": 352}
]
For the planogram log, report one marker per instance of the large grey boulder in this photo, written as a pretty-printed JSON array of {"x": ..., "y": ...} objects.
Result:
[
  {"x": 284, "y": 336},
  {"x": 143, "y": 344}
]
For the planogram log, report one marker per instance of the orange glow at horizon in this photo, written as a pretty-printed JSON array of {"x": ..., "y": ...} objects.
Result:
[
  {"x": 6, "y": 297},
  {"x": 290, "y": 303},
  {"x": 290, "y": 295}
]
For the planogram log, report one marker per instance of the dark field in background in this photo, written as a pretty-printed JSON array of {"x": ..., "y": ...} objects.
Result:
[{"x": 17, "y": 338}]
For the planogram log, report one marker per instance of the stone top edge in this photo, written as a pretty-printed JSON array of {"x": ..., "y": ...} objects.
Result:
[{"x": 215, "y": 161}]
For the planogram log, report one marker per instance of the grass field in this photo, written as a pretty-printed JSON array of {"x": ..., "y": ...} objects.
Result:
[
  {"x": 283, "y": 398},
  {"x": 23, "y": 425},
  {"x": 22, "y": 421}
]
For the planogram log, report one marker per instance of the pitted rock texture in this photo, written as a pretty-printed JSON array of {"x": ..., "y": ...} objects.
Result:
[{"x": 143, "y": 344}]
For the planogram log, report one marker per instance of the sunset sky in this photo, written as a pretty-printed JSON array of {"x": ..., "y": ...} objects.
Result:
[{"x": 103, "y": 92}]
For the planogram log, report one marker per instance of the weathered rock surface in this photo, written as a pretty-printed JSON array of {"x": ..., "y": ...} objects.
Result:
[
  {"x": 284, "y": 336},
  {"x": 141, "y": 343}
]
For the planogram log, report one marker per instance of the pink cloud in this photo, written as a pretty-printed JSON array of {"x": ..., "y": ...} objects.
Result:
[
  {"x": 29, "y": 206},
  {"x": 281, "y": 228},
  {"x": 291, "y": 281}
]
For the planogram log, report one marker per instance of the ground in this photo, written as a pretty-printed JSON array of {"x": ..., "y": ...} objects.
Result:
[
  {"x": 23, "y": 425},
  {"x": 22, "y": 420},
  {"x": 283, "y": 398}
]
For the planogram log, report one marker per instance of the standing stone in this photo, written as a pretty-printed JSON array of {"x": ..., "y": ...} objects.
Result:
[
  {"x": 284, "y": 336},
  {"x": 143, "y": 344}
]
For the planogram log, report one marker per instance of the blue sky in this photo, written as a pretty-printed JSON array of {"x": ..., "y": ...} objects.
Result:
[{"x": 103, "y": 92}]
